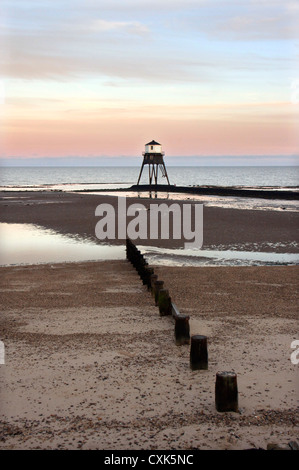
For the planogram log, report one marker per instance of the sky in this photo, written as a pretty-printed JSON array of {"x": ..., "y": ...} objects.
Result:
[{"x": 101, "y": 78}]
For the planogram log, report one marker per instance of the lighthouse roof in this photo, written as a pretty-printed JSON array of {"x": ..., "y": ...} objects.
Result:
[{"x": 153, "y": 142}]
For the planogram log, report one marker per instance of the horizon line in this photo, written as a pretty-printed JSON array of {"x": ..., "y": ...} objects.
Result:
[{"x": 292, "y": 160}]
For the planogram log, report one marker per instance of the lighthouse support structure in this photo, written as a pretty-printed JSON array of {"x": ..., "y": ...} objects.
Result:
[
  {"x": 153, "y": 157},
  {"x": 153, "y": 170}
]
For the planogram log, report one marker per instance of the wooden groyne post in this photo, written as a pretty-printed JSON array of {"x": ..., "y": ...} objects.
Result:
[
  {"x": 160, "y": 294},
  {"x": 154, "y": 278},
  {"x": 139, "y": 262},
  {"x": 181, "y": 328},
  {"x": 199, "y": 352},
  {"x": 164, "y": 302},
  {"x": 226, "y": 391},
  {"x": 158, "y": 285}
]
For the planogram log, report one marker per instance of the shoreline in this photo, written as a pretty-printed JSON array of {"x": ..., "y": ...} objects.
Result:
[
  {"x": 211, "y": 191},
  {"x": 74, "y": 214}
]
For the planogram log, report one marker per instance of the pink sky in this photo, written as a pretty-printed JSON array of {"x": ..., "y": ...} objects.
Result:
[
  {"x": 102, "y": 79},
  {"x": 269, "y": 130}
]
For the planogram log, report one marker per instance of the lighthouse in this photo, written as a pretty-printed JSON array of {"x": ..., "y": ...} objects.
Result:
[{"x": 153, "y": 157}]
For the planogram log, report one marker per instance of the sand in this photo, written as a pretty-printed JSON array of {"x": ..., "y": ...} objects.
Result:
[
  {"x": 90, "y": 363},
  {"x": 223, "y": 228}
]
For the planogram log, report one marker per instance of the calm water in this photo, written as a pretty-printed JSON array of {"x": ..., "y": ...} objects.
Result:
[
  {"x": 30, "y": 244},
  {"x": 68, "y": 178},
  {"x": 27, "y": 244}
]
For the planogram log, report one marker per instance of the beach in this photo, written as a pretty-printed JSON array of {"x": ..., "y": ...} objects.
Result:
[
  {"x": 91, "y": 364},
  {"x": 74, "y": 214}
]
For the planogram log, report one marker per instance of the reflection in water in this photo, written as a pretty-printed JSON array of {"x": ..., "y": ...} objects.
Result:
[
  {"x": 29, "y": 244},
  {"x": 152, "y": 195}
]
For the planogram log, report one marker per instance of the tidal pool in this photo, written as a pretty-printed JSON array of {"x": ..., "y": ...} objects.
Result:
[
  {"x": 199, "y": 257},
  {"x": 31, "y": 244}
]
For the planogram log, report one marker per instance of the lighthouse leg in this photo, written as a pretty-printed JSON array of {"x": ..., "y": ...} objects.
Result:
[
  {"x": 150, "y": 173},
  {"x": 140, "y": 173},
  {"x": 156, "y": 175},
  {"x": 165, "y": 172}
]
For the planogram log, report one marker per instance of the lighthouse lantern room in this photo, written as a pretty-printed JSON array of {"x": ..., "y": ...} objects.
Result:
[{"x": 153, "y": 157}]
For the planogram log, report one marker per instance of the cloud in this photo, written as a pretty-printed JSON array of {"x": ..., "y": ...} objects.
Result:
[
  {"x": 153, "y": 41},
  {"x": 128, "y": 65},
  {"x": 131, "y": 27},
  {"x": 247, "y": 20},
  {"x": 252, "y": 27}
]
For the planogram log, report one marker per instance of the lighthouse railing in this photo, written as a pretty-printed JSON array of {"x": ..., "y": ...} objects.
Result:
[{"x": 153, "y": 153}]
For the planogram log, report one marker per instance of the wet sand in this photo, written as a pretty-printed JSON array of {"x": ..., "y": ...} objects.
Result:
[
  {"x": 90, "y": 363},
  {"x": 226, "y": 228}
]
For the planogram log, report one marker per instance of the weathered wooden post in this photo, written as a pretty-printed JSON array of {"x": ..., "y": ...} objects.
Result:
[
  {"x": 142, "y": 273},
  {"x": 136, "y": 258},
  {"x": 154, "y": 278},
  {"x": 199, "y": 352},
  {"x": 226, "y": 391},
  {"x": 182, "y": 330},
  {"x": 147, "y": 272},
  {"x": 129, "y": 249},
  {"x": 164, "y": 302},
  {"x": 158, "y": 285},
  {"x": 140, "y": 266}
]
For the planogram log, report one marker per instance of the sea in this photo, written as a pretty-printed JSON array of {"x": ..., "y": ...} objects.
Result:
[
  {"x": 28, "y": 244},
  {"x": 70, "y": 178}
]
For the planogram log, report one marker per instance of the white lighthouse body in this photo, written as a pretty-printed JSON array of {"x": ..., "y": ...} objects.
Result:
[
  {"x": 153, "y": 157},
  {"x": 153, "y": 147}
]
